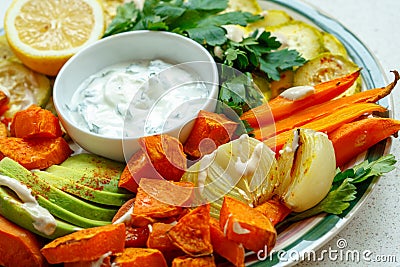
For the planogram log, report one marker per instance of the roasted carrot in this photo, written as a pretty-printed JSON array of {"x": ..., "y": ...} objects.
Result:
[
  {"x": 86, "y": 245},
  {"x": 317, "y": 111},
  {"x": 35, "y": 122},
  {"x": 19, "y": 247},
  {"x": 247, "y": 226},
  {"x": 132, "y": 257},
  {"x": 274, "y": 210},
  {"x": 280, "y": 107},
  {"x": 328, "y": 123},
  {"x": 37, "y": 153},
  {"x": 228, "y": 249},
  {"x": 353, "y": 138}
]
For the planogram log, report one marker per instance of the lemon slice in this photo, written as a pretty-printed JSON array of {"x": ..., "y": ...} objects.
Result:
[
  {"x": 45, "y": 34},
  {"x": 23, "y": 86}
]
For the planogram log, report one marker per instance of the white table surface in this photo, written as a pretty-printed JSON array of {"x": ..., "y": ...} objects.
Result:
[{"x": 376, "y": 227}]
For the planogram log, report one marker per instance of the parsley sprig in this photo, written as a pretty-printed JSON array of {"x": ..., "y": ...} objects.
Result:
[{"x": 203, "y": 21}]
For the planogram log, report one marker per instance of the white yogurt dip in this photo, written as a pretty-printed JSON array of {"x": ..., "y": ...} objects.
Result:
[{"x": 137, "y": 98}]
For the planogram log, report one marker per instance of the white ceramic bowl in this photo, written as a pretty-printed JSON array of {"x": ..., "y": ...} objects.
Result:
[{"x": 130, "y": 46}]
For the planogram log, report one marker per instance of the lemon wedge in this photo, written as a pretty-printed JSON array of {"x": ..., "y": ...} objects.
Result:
[{"x": 45, "y": 34}]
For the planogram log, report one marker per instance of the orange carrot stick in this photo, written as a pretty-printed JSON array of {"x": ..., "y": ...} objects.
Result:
[
  {"x": 329, "y": 123},
  {"x": 281, "y": 107},
  {"x": 353, "y": 138},
  {"x": 315, "y": 112}
]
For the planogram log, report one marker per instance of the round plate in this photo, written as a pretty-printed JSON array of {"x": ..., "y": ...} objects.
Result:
[{"x": 298, "y": 240}]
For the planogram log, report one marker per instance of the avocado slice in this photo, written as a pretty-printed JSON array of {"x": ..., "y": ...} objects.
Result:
[
  {"x": 82, "y": 191},
  {"x": 99, "y": 168},
  {"x": 66, "y": 201},
  {"x": 12, "y": 209}
]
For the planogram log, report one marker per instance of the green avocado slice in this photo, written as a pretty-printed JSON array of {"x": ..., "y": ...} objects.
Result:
[{"x": 66, "y": 201}]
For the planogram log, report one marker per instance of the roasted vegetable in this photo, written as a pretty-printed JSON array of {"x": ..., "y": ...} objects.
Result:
[
  {"x": 140, "y": 257},
  {"x": 210, "y": 130},
  {"x": 245, "y": 225},
  {"x": 37, "y": 153},
  {"x": 230, "y": 250},
  {"x": 35, "y": 122},
  {"x": 86, "y": 245},
  {"x": 18, "y": 246},
  {"x": 353, "y": 138},
  {"x": 192, "y": 232},
  {"x": 280, "y": 107}
]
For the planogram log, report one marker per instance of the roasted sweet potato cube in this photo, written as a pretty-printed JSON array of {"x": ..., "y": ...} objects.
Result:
[
  {"x": 159, "y": 239},
  {"x": 192, "y": 232},
  {"x": 185, "y": 261},
  {"x": 86, "y": 245},
  {"x": 210, "y": 130},
  {"x": 166, "y": 154},
  {"x": 274, "y": 210},
  {"x": 137, "y": 167},
  {"x": 162, "y": 199},
  {"x": 134, "y": 257},
  {"x": 247, "y": 226},
  {"x": 228, "y": 249}
]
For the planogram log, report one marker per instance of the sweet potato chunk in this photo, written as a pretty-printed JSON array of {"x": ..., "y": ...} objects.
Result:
[
  {"x": 35, "y": 122},
  {"x": 35, "y": 153},
  {"x": 230, "y": 250},
  {"x": 137, "y": 167},
  {"x": 246, "y": 225},
  {"x": 18, "y": 247},
  {"x": 86, "y": 245},
  {"x": 134, "y": 257},
  {"x": 192, "y": 232},
  {"x": 274, "y": 210},
  {"x": 166, "y": 154},
  {"x": 210, "y": 130},
  {"x": 158, "y": 239},
  {"x": 161, "y": 198},
  {"x": 184, "y": 261},
  {"x": 160, "y": 156}
]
